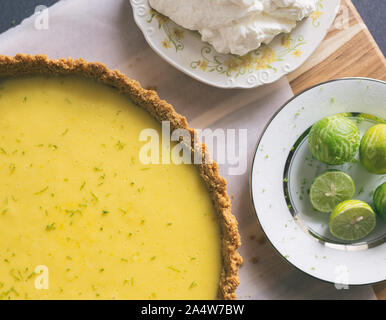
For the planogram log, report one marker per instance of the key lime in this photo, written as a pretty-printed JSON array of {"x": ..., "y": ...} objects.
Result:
[
  {"x": 352, "y": 220},
  {"x": 380, "y": 200},
  {"x": 334, "y": 140},
  {"x": 331, "y": 188},
  {"x": 373, "y": 149}
]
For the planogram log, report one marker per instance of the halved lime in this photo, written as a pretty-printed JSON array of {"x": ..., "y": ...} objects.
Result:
[
  {"x": 334, "y": 140},
  {"x": 331, "y": 188},
  {"x": 380, "y": 200},
  {"x": 373, "y": 149},
  {"x": 352, "y": 220}
]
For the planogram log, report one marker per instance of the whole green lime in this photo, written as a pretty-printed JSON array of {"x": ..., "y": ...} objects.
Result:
[
  {"x": 373, "y": 149},
  {"x": 380, "y": 200},
  {"x": 334, "y": 140}
]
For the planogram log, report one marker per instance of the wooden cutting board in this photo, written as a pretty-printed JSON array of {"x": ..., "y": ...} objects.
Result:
[{"x": 348, "y": 50}]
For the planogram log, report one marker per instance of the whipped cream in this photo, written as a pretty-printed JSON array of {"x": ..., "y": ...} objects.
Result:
[{"x": 236, "y": 26}]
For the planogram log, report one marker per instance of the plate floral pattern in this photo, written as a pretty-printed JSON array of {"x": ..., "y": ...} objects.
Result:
[{"x": 185, "y": 50}]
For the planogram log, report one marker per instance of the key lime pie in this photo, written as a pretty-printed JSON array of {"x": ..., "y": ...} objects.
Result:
[{"x": 81, "y": 217}]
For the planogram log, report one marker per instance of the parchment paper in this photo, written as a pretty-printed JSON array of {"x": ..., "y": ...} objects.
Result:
[{"x": 104, "y": 31}]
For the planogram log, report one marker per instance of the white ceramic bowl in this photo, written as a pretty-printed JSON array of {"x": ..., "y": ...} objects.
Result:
[
  {"x": 184, "y": 49},
  {"x": 283, "y": 170}
]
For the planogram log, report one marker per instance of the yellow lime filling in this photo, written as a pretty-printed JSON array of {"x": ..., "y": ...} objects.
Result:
[{"x": 80, "y": 216}]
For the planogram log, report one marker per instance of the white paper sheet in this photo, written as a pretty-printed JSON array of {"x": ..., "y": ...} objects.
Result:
[{"x": 104, "y": 31}]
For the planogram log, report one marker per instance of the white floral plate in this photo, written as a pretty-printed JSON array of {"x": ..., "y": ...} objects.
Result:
[
  {"x": 184, "y": 49},
  {"x": 283, "y": 170}
]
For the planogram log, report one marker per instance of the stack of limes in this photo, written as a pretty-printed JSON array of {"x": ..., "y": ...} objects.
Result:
[{"x": 336, "y": 140}]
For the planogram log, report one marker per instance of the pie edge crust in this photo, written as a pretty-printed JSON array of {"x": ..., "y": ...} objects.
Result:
[{"x": 159, "y": 109}]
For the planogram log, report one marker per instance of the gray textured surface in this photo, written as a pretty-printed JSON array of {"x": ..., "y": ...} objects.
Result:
[
  {"x": 373, "y": 12},
  {"x": 12, "y": 12}
]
